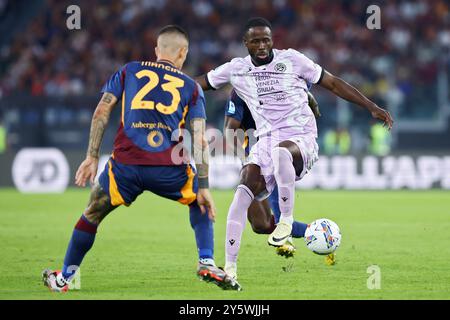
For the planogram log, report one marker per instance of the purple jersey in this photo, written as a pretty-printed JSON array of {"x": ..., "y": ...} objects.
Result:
[{"x": 275, "y": 93}]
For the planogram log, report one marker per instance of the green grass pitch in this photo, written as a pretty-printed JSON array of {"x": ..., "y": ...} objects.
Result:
[{"x": 147, "y": 251}]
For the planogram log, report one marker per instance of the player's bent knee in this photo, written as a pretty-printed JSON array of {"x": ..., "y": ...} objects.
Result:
[
  {"x": 92, "y": 217},
  {"x": 281, "y": 156},
  {"x": 283, "y": 163},
  {"x": 292, "y": 152},
  {"x": 253, "y": 180},
  {"x": 260, "y": 228},
  {"x": 99, "y": 207}
]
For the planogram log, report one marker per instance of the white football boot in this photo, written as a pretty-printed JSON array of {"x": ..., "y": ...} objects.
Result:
[{"x": 280, "y": 235}]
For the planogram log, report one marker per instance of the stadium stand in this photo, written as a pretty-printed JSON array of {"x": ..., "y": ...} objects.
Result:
[{"x": 404, "y": 66}]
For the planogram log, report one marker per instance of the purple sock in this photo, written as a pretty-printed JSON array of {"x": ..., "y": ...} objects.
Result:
[
  {"x": 298, "y": 228},
  {"x": 237, "y": 217},
  {"x": 284, "y": 173}
]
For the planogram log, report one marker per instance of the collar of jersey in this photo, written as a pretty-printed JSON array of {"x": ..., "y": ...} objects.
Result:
[
  {"x": 166, "y": 62},
  {"x": 263, "y": 65}
]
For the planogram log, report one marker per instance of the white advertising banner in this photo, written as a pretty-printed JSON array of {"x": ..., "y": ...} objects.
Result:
[
  {"x": 350, "y": 172},
  {"x": 43, "y": 170},
  {"x": 40, "y": 170}
]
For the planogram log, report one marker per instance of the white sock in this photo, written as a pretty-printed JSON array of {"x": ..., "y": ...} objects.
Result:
[
  {"x": 231, "y": 265},
  {"x": 209, "y": 261},
  {"x": 287, "y": 220}
]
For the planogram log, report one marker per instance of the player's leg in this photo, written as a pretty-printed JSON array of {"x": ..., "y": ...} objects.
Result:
[
  {"x": 288, "y": 249},
  {"x": 82, "y": 239},
  {"x": 264, "y": 215},
  {"x": 83, "y": 236},
  {"x": 180, "y": 183},
  {"x": 287, "y": 161},
  {"x": 260, "y": 217},
  {"x": 263, "y": 222},
  {"x": 204, "y": 237},
  {"x": 204, "y": 234},
  {"x": 298, "y": 228},
  {"x": 252, "y": 183},
  {"x": 116, "y": 186}
]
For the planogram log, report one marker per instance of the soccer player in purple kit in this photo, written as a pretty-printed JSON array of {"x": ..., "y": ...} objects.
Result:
[
  {"x": 273, "y": 84},
  {"x": 157, "y": 101},
  {"x": 262, "y": 221}
]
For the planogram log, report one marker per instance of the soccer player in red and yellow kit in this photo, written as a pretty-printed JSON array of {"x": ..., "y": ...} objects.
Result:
[{"x": 157, "y": 101}]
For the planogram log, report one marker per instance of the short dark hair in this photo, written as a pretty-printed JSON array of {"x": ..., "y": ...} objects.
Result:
[
  {"x": 257, "y": 22},
  {"x": 173, "y": 28}
]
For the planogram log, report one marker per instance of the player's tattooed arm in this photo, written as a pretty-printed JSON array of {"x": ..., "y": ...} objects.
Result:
[
  {"x": 99, "y": 123},
  {"x": 346, "y": 91},
  {"x": 200, "y": 150},
  {"x": 88, "y": 168},
  {"x": 201, "y": 157}
]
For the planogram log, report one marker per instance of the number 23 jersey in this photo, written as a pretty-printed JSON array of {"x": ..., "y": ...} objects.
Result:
[{"x": 157, "y": 100}]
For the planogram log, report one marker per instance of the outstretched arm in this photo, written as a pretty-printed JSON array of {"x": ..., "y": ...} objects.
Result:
[
  {"x": 88, "y": 168},
  {"x": 346, "y": 91},
  {"x": 203, "y": 82}
]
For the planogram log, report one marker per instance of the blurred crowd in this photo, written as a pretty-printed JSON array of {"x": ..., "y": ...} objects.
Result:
[{"x": 396, "y": 65}]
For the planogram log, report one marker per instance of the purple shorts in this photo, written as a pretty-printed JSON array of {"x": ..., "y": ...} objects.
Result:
[{"x": 262, "y": 152}]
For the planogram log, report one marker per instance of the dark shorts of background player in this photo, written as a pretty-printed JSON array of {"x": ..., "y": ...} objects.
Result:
[{"x": 124, "y": 183}]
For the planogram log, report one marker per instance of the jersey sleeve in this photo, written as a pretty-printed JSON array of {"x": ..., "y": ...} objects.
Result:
[
  {"x": 115, "y": 84},
  {"x": 197, "y": 104},
  {"x": 307, "y": 69},
  {"x": 220, "y": 76},
  {"x": 235, "y": 107}
]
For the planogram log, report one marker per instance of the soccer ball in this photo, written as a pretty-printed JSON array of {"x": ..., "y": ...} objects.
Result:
[{"x": 323, "y": 236}]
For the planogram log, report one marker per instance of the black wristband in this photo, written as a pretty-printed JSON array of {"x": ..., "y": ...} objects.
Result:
[
  {"x": 321, "y": 76},
  {"x": 209, "y": 83},
  {"x": 203, "y": 183}
]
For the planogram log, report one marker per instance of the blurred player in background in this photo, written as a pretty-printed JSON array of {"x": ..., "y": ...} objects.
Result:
[
  {"x": 273, "y": 84},
  {"x": 157, "y": 100},
  {"x": 238, "y": 116}
]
